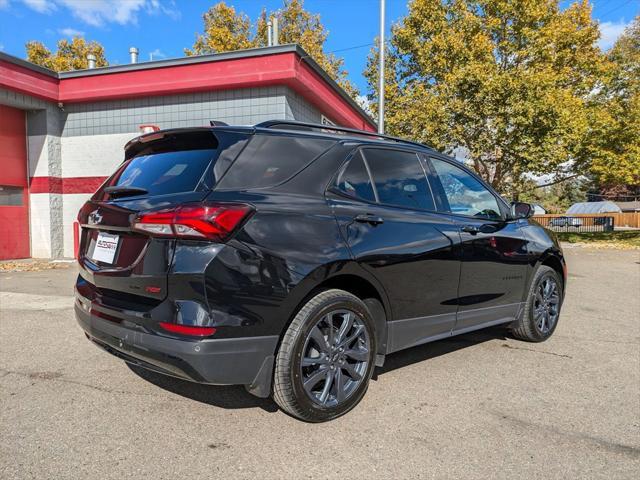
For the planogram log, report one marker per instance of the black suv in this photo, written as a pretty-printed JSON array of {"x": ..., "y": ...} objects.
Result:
[{"x": 293, "y": 257}]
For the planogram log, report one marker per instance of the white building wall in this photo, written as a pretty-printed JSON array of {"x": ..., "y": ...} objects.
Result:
[
  {"x": 40, "y": 225},
  {"x": 93, "y": 155},
  {"x": 87, "y": 140}
]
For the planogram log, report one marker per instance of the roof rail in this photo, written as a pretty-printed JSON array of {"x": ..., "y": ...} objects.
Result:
[{"x": 295, "y": 125}]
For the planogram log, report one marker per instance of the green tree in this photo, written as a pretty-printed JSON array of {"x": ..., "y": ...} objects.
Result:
[
  {"x": 614, "y": 147},
  {"x": 71, "y": 55},
  {"x": 227, "y": 30},
  {"x": 556, "y": 198},
  {"x": 508, "y": 80}
]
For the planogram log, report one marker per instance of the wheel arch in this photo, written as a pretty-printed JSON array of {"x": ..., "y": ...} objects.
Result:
[
  {"x": 558, "y": 264},
  {"x": 350, "y": 277}
]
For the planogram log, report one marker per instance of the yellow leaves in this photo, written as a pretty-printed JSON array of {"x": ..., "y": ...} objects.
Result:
[
  {"x": 512, "y": 81},
  {"x": 69, "y": 56},
  {"x": 227, "y": 30}
]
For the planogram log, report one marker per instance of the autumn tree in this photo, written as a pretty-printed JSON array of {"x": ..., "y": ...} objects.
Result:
[
  {"x": 297, "y": 25},
  {"x": 224, "y": 30},
  {"x": 614, "y": 146},
  {"x": 506, "y": 81},
  {"x": 227, "y": 30},
  {"x": 71, "y": 55}
]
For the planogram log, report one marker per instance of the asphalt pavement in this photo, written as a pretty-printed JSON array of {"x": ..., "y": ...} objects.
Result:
[{"x": 482, "y": 405}]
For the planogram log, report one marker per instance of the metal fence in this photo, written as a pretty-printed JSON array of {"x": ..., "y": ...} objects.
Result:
[{"x": 582, "y": 223}]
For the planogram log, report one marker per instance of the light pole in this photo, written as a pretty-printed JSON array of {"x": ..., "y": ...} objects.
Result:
[{"x": 381, "y": 72}]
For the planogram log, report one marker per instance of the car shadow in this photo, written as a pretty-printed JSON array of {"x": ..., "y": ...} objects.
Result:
[
  {"x": 431, "y": 350},
  {"x": 223, "y": 396},
  {"x": 236, "y": 397}
]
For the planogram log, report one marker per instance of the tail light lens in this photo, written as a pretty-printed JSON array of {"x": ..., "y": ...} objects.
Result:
[
  {"x": 188, "y": 330},
  {"x": 215, "y": 222}
]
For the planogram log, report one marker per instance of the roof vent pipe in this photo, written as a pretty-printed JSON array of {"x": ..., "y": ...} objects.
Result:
[
  {"x": 91, "y": 58},
  {"x": 133, "y": 51},
  {"x": 275, "y": 33},
  {"x": 269, "y": 34}
]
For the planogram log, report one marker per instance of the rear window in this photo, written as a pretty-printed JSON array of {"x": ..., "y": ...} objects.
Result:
[
  {"x": 269, "y": 160},
  {"x": 177, "y": 163},
  {"x": 164, "y": 173}
]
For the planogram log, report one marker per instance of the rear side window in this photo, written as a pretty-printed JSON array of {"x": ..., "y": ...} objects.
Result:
[
  {"x": 399, "y": 178},
  {"x": 269, "y": 160},
  {"x": 354, "y": 180}
]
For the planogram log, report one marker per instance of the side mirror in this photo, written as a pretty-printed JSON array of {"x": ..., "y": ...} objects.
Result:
[{"x": 521, "y": 210}]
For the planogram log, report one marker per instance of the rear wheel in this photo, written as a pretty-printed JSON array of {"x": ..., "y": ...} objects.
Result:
[
  {"x": 542, "y": 310},
  {"x": 326, "y": 357}
]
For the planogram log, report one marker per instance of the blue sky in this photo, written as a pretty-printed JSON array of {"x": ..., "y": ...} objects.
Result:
[{"x": 163, "y": 28}]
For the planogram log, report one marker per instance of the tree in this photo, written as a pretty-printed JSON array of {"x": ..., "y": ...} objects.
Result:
[
  {"x": 71, "y": 55},
  {"x": 224, "y": 30},
  {"x": 556, "y": 198},
  {"x": 509, "y": 81},
  {"x": 614, "y": 147},
  {"x": 297, "y": 25},
  {"x": 227, "y": 30}
]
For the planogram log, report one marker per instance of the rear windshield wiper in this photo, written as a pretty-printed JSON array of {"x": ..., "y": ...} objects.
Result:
[{"x": 124, "y": 191}]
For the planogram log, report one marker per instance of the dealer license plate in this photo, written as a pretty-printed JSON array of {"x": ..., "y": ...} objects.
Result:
[{"x": 106, "y": 246}]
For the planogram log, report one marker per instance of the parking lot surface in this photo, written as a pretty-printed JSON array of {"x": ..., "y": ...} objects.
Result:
[{"x": 482, "y": 405}]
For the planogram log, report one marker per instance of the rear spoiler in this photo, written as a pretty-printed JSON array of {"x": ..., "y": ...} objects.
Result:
[{"x": 176, "y": 139}]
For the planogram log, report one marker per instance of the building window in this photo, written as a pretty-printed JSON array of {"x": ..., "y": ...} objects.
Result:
[{"x": 10, "y": 196}]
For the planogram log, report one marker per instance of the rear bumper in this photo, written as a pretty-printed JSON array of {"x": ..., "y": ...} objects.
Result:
[{"x": 229, "y": 361}]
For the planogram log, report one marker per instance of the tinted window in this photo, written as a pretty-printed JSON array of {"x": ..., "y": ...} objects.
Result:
[
  {"x": 399, "y": 178},
  {"x": 271, "y": 159},
  {"x": 465, "y": 194},
  {"x": 354, "y": 179},
  {"x": 164, "y": 173}
]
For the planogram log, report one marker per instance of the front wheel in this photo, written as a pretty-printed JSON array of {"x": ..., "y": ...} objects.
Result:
[
  {"x": 542, "y": 310},
  {"x": 326, "y": 357}
]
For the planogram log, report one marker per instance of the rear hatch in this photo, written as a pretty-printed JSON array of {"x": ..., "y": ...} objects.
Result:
[{"x": 162, "y": 171}]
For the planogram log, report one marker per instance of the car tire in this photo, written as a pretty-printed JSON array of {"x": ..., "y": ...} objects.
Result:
[
  {"x": 310, "y": 352},
  {"x": 541, "y": 313}
]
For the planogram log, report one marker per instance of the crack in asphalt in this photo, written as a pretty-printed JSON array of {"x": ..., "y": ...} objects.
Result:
[
  {"x": 57, "y": 377},
  {"x": 561, "y": 355},
  {"x": 614, "y": 447}
]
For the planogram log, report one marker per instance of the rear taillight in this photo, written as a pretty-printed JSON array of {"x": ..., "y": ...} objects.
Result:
[
  {"x": 199, "y": 222},
  {"x": 188, "y": 330}
]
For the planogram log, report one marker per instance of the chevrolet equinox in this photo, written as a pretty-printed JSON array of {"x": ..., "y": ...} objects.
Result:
[{"x": 292, "y": 258}]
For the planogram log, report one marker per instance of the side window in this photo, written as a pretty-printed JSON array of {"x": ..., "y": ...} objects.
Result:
[
  {"x": 271, "y": 159},
  {"x": 465, "y": 194},
  {"x": 354, "y": 179},
  {"x": 399, "y": 178}
]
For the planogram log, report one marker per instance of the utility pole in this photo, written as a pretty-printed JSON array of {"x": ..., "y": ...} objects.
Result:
[{"x": 381, "y": 72}]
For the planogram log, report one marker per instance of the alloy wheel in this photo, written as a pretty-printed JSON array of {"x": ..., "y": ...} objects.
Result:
[
  {"x": 546, "y": 304},
  {"x": 335, "y": 357}
]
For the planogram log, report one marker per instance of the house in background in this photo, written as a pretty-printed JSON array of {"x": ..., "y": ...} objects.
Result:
[
  {"x": 629, "y": 206},
  {"x": 61, "y": 134}
]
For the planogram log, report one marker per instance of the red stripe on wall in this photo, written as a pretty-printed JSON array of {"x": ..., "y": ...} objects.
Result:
[{"x": 65, "y": 185}]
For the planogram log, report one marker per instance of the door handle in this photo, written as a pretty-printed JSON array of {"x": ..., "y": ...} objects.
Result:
[
  {"x": 472, "y": 229},
  {"x": 368, "y": 218}
]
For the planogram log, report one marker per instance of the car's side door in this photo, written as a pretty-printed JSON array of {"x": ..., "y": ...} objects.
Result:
[
  {"x": 494, "y": 248},
  {"x": 386, "y": 213}
]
